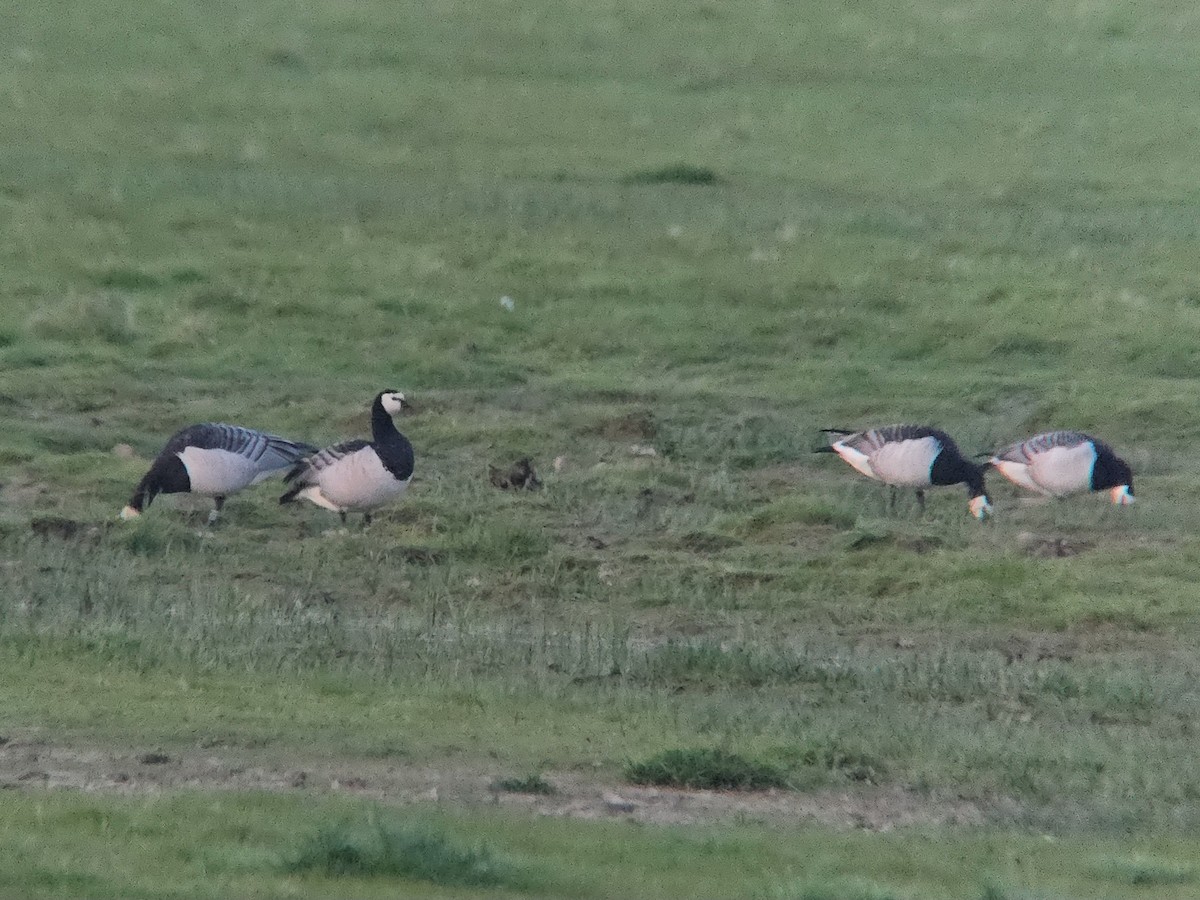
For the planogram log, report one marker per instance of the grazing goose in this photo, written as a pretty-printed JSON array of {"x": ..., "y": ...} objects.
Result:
[
  {"x": 358, "y": 475},
  {"x": 914, "y": 456},
  {"x": 214, "y": 460},
  {"x": 1057, "y": 463}
]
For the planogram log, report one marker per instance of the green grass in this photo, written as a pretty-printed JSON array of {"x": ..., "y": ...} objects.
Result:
[
  {"x": 1030, "y": 744},
  {"x": 836, "y": 889},
  {"x": 722, "y": 227},
  {"x": 63, "y": 844},
  {"x": 708, "y": 769},
  {"x": 385, "y": 849},
  {"x": 1141, "y": 871}
]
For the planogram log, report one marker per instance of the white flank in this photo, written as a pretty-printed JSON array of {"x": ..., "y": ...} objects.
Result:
[
  {"x": 905, "y": 463},
  {"x": 218, "y": 472},
  {"x": 859, "y": 460},
  {"x": 1063, "y": 470},
  {"x": 1018, "y": 474},
  {"x": 358, "y": 481}
]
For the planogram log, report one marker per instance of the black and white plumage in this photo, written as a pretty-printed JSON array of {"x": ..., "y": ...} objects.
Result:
[
  {"x": 915, "y": 456},
  {"x": 1058, "y": 463},
  {"x": 358, "y": 475},
  {"x": 215, "y": 460}
]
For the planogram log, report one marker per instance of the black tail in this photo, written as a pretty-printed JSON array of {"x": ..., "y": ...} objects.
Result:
[
  {"x": 294, "y": 472},
  {"x": 825, "y": 449},
  {"x": 293, "y": 492}
]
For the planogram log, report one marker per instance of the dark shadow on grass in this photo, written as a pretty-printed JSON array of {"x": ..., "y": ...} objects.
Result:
[{"x": 677, "y": 173}]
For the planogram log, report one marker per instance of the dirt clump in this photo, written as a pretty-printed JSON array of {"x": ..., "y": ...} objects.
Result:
[{"x": 517, "y": 477}]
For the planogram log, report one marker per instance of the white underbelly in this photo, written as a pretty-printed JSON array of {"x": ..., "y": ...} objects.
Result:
[{"x": 905, "y": 463}]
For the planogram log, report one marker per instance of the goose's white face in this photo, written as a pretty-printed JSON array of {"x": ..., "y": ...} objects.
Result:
[
  {"x": 1121, "y": 496},
  {"x": 393, "y": 402}
]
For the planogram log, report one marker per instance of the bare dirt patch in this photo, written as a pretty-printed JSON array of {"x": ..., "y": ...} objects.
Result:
[
  {"x": 31, "y": 764},
  {"x": 1052, "y": 546}
]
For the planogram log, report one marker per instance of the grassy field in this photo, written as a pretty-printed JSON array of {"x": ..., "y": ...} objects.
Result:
[{"x": 722, "y": 227}]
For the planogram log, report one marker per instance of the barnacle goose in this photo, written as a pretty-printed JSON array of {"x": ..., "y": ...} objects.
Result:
[
  {"x": 358, "y": 475},
  {"x": 215, "y": 460},
  {"x": 914, "y": 456},
  {"x": 1057, "y": 463}
]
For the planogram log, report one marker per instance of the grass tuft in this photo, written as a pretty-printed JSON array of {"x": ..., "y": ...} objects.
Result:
[
  {"x": 530, "y": 784},
  {"x": 705, "y": 769},
  {"x": 378, "y": 848}
]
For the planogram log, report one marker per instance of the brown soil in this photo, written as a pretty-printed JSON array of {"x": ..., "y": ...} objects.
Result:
[{"x": 34, "y": 765}]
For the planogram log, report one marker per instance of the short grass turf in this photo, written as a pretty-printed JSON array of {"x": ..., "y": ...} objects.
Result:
[
  {"x": 217, "y": 845},
  {"x": 721, "y": 228}
]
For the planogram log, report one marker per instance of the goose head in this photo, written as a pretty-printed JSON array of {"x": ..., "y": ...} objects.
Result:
[{"x": 391, "y": 401}]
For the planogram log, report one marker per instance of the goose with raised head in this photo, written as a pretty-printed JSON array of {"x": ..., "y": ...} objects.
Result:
[
  {"x": 215, "y": 460},
  {"x": 1058, "y": 463},
  {"x": 358, "y": 475},
  {"x": 915, "y": 456}
]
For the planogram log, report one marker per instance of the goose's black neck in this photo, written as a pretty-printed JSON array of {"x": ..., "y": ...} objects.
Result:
[
  {"x": 167, "y": 475},
  {"x": 393, "y": 448},
  {"x": 950, "y": 467},
  {"x": 1109, "y": 470},
  {"x": 974, "y": 480}
]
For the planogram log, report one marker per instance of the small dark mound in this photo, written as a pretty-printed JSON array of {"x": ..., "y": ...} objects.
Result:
[{"x": 520, "y": 476}]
